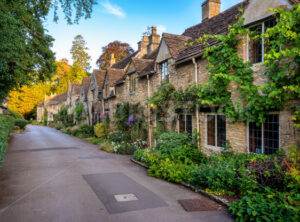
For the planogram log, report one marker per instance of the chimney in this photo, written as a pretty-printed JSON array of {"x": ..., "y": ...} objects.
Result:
[
  {"x": 143, "y": 46},
  {"x": 154, "y": 41},
  {"x": 112, "y": 59},
  {"x": 210, "y": 8}
]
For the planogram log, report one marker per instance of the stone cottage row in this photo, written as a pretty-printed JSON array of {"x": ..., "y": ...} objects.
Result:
[{"x": 170, "y": 58}]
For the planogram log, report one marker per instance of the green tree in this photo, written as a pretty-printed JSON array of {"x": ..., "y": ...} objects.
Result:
[{"x": 25, "y": 53}]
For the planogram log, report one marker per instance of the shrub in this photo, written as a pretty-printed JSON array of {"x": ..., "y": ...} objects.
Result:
[
  {"x": 79, "y": 112},
  {"x": 171, "y": 140},
  {"x": 15, "y": 114},
  {"x": 83, "y": 131},
  {"x": 107, "y": 147},
  {"x": 6, "y": 126},
  {"x": 99, "y": 130},
  {"x": 171, "y": 171},
  {"x": 138, "y": 155},
  {"x": 118, "y": 137},
  {"x": 59, "y": 126},
  {"x": 269, "y": 206},
  {"x": 21, "y": 123}
]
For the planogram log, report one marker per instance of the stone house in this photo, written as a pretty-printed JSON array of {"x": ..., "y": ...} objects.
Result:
[
  {"x": 73, "y": 95},
  {"x": 183, "y": 64},
  {"x": 83, "y": 98},
  {"x": 52, "y": 105},
  {"x": 94, "y": 95}
]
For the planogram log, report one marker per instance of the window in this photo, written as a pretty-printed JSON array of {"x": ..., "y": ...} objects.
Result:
[
  {"x": 100, "y": 95},
  {"x": 106, "y": 88},
  {"x": 165, "y": 72},
  {"x": 185, "y": 124},
  {"x": 264, "y": 138},
  {"x": 132, "y": 83},
  {"x": 216, "y": 130},
  {"x": 257, "y": 47}
]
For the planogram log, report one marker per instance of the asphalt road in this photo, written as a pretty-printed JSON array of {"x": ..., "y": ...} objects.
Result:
[{"x": 50, "y": 176}]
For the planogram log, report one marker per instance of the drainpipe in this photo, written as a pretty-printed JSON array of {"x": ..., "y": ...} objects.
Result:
[
  {"x": 149, "y": 113},
  {"x": 197, "y": 106}
]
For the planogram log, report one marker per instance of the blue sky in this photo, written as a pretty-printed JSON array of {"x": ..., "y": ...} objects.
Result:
[{"x": 125, "y": 20}]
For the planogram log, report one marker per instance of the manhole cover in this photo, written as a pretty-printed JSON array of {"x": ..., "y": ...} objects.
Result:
[
  {"x": 200, "y": 205},
  {"x": 125, "y": 197}
]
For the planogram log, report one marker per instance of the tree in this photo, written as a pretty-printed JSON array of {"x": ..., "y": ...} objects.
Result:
[
  {"x": 25, "y": 53},
  {"x": 59, "y": 82},
  {"x": 80, "y": 58},
  {"x": 120, "y": 51}
]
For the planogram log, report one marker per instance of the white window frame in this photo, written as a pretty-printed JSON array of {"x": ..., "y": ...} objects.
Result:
[
  {"x": 216, "y": 147},
  {"x": 262, "y": 135},
  {"x": 163, "y": 76}
]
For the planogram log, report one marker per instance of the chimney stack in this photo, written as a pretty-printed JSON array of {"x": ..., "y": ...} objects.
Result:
[
  {"x": 112, "y": 59},
  {"x": 143, "y": 46},
  {"x": 154, "y": 41},
  {"x": 210, "y": 8}
]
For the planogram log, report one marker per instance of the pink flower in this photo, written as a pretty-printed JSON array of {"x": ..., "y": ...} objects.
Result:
[
  {"x": 137, "y": 116},
  {"x": 253, "y": 164}
]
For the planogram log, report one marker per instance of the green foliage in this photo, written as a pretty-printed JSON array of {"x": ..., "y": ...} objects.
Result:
[
  {"x": 99, "y": 130},
  {"x": 267, "y": 206},
  {"x": 59, "y": 126},
  {"x": 63, "y": 117},
  {"x": 21, "y": 123},
  {"x": 108, "y": 147},
  {"x": 45, "y": 117},
  {"x": 15, "y": 114},
  {"x": 83, "y": 131},
  {"x": 94, "y": 140},
  {"x": 79, "y": 112},
  {"x": 172, "y": 171},
  {"x": 226, "y": 67},
  {"x": 171, "y": 140},
  {"x": 6, "y": 126}
]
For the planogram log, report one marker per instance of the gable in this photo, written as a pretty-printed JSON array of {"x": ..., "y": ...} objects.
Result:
[
  {"x": 163, "y": 52},
  {"x": 131, "y": 68},
  {"x": 258, "y": 9}
]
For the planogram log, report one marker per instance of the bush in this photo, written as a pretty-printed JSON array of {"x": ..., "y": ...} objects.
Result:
[
  {"x": 171, "y": 140},
  {"x": 172, "y": 171},
  {"x": 119, "y": 137},
  {"x": 269, "y": 206},
  {"x": 83, "y": 131},
  {"x": 107, "y": 147},
  {"x": 99, "y": 130},
  {"x": 59, "y": 126},
  {"x": 6, "y": 126},
  {"x": 21, "y": 123},
  {"x": 15, "y": 114}
]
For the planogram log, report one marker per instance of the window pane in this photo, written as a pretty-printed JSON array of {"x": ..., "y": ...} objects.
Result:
[
  {"x": 165, "y": 71},
  {"x": 255, "y": 45},
  {"x": 181, "y": 124},
  {"x": 255, "y": 138},
  {"x": 211, "y": 130},
  {"x": 189, "y": 127},
  {"x": 269, "y": 24},
  {"x": 221, "y": 124},
  {"x": 271, "y": 134}
]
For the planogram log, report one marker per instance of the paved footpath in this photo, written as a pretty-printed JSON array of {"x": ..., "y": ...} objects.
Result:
[{"x": 50, "y": 176}]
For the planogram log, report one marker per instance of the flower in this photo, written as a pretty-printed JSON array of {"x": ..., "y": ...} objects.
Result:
[
  {"x": 248, "y": 171},
  {"x": 137, "y": 116},
  {"x": 253, "y": 164}
]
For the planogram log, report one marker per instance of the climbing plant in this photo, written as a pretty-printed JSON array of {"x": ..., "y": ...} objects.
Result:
[
  {"x": 79, "y": 112},
  {"x": 226, "y": 67}
]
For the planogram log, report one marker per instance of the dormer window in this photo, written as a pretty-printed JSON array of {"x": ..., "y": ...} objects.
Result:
[
  {"x": 106, "y": 89},
  {"x": 257, "y": 46},
  {"x": 132, "y": 83},
  {"x": 165, "y": 72}
]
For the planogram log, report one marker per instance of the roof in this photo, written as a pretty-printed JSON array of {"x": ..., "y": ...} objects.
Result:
[
  {"x": 100, "y": 77},
  {"x": 143, "y": 66},
  {"x": 213, "y": 26},
  {"x": 114, "y": 75},
  {"x": 176, "y": 43},
  {"x": 76, "y": 87},
  {"x": 57, "y": 99},
  {"x": 124, "y": 62},
  {"x": 85, "y": 83}
]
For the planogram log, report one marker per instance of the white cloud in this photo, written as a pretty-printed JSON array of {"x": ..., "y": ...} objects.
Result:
[
  {"x": 113, "y": 9},
  {"x": 161, "y": 29}
]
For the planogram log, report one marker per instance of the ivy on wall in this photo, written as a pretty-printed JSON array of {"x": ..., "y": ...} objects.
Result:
[{"x": 226, "y": 67}]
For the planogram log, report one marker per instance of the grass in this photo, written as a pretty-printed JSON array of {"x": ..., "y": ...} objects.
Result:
[
  {"x": 94, "y": 140},
  {"x": 107, "y": 147}
]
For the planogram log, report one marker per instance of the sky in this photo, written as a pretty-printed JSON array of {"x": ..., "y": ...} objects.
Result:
[{"x": 125, "y": 20}]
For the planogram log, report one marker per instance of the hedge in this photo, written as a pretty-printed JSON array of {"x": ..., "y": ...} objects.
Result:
[{"x": 6, "y": 126}]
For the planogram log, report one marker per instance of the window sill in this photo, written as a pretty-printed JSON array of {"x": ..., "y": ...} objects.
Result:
[
  {"x": 214, "y": 148},
  {"x": 132, "y": 93}
]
